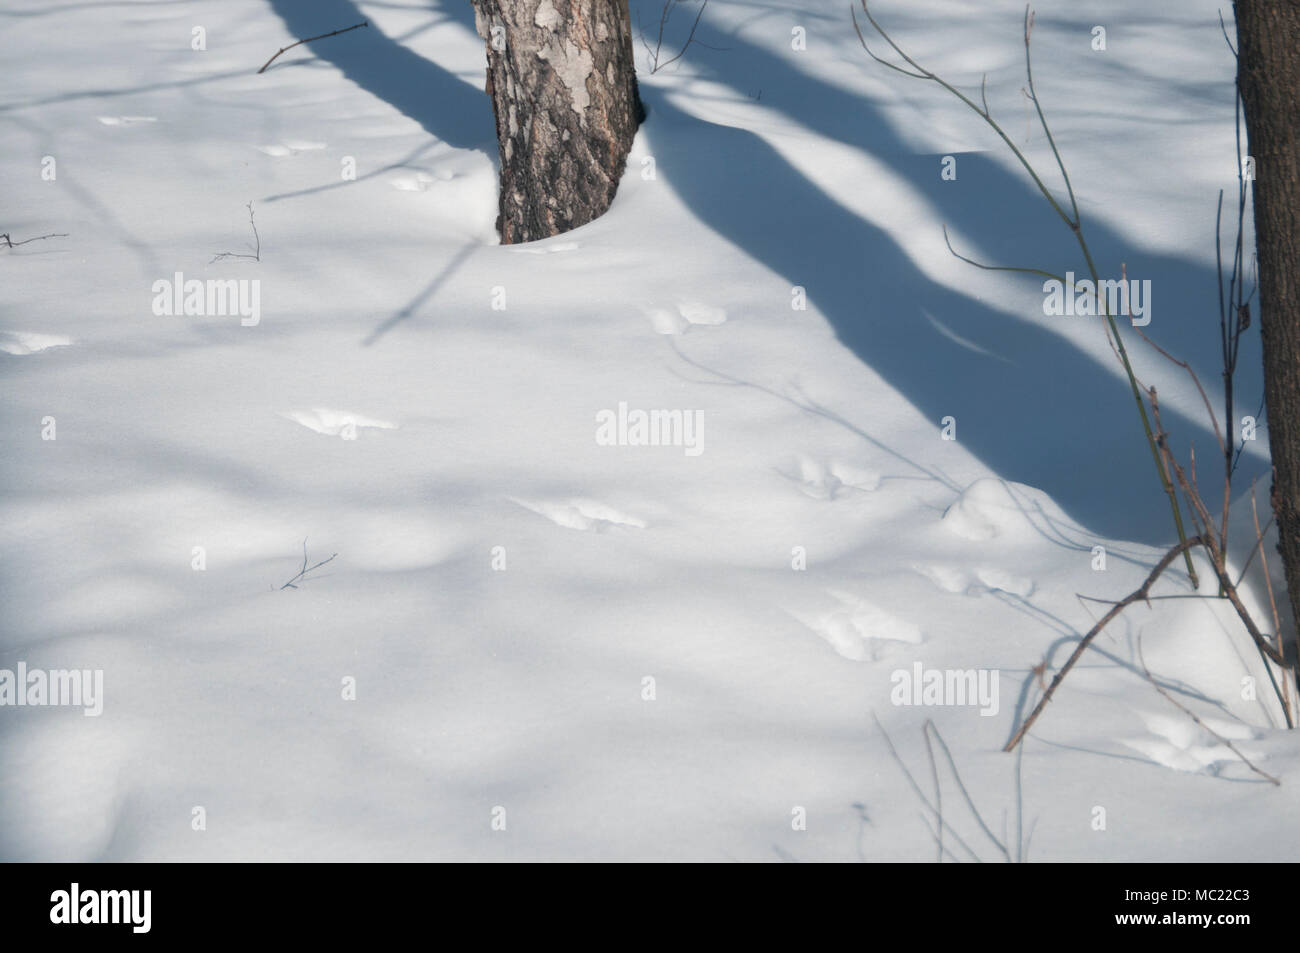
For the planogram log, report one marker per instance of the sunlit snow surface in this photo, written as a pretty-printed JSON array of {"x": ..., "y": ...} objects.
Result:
[{"x": 617, "y": 651}]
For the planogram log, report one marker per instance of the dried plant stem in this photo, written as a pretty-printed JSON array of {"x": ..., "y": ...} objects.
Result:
[
  {"x": 257, "y": 247},
  {"x": 1071, "y": 219},
  {"x": 10, "y": 243},
  {"x": 292, "y": 583},
  {"x": 311, "y": 39},
  {"x": 1137, "y": 595}
]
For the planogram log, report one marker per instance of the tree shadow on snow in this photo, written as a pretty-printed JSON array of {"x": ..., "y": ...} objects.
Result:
[
  {"x": 439, "y": 100},
  {"x": 1030, "y": 405}
]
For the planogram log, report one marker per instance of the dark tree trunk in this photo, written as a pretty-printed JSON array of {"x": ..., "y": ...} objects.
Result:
[
  {"x": 563, "y": 86},
  {"x": 1268, "y": 71}
]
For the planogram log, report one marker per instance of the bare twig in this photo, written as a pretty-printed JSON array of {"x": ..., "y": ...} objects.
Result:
[
  {"x": 1219, "y": 560},
  {"x": 1071, "y": 218},
  {"x": 10, "y": 243},
  {"x": 1196, "y": 380},
  {"x": 970, "y": 803},
  {"x": 1259, "y": 537},
  {"x": 1024, "y": 271},
  {"x": 938, "y": 789},
  {"x": 654, "y": 54},
  {"x": 1192, "y": 715},
  {"x": 1224, "y": 28},
  {"x": 916, "y": 789},
  {"x": 1211, "y": 544},
  {"x": 311, "y": 39},
  {"x": 1022, "y": 843},
  {"x": 935, "y": 837},
  {"x": 291, "y": 584},
  {"x": 934, "y": 821},
  {"x": 1137, "y": 595},
  {"x": 257, "y": 249}
]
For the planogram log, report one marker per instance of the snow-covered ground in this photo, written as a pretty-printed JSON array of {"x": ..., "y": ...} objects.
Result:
[{"x": 610, "y": 651}]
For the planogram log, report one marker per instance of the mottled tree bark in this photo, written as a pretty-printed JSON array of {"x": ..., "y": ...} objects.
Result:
[
  {"x": 563, "y": 86},
  {"x": 1268, "y": 72}
]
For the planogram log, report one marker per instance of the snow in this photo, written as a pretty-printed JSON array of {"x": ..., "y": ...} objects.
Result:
[{"x": 636, "y": 652}]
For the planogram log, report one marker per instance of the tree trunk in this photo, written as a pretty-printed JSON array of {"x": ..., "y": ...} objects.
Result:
[
  {"x": 1268, "y": 72},
  {"x": 563, "y": 86}
]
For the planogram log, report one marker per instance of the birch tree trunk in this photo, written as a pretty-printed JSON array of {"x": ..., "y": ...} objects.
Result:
[{"x": 563, "y": 87}]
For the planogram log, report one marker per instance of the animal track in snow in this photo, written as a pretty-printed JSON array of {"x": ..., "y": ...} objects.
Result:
[
  {"x": 824, "y": 481},
  {"x": 419, "y": 181},
  {"x": 688, "y": 314},
  {"x": 1005, "y": 581},
  {"x": 336, "y": 423},
  {"x": 293, "y": 147},
  {"x": 947, "y": 578},
  {"x": 958, "y": 580},
  {"x": 1179, "y": 743},
  {"x": 125, "y": 120},
  {"x": 580, "y": 514},
  {"x": 984, "y": 510},
  {"x": 29, "y": 342},
  {"x": 854, "y": 626}
]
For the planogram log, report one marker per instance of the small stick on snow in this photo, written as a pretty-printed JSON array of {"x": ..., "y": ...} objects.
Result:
[
  {"x": 304, "y": 570},
  {"x": 257, "y": 249},
  {"x": 920, "y": 795},
  {"x": 311, "y": 39},
  {"x": 930, "y": 727},
  {"x": 10, "y": 243},
  {"x": 1137, "y": 595},
  {"x": 655, "y": 64}
]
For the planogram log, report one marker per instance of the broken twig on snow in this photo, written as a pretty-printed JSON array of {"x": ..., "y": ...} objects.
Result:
[
  {"x": 310, "y": 39},
  {"x": 10, "y": 243},
  {"x": 291, "y": 584},
  {"x": 257, "y": 249}
]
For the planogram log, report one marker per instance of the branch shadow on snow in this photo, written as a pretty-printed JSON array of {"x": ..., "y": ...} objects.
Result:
[
  {"x": 1029, "y": 404},
  {"x": 439, "y": 100}
]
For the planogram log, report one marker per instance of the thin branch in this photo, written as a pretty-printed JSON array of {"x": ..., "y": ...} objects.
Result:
[
  {"x": 935, "y": 837},
  {"x": 1022, "y": 845},
  {"x": 1218, "y": 435},
  {"x": 923, "y": 73},
  {"x": 641, "y": 33},
  {"x": 1259, "y": 550},
  {"x": 10, "y": 243},
  {"x": 916, "y": 789},
  {"x": 690, "y": 38},
  {"x": 1024, "y": 271},
  {"x": 1073, "y": 221},
  {"x": 1224, "y": 27},
  {"x": 1042, "y": 119},
  {"x": 257, "y": 249},
  {"x": 1211, "y": 544},
  {"x": 882, "y": 62},
  {"x": 970, "y": 803},
  {"x": 938, "y": 789},
  {"x": 1137, "y": 595},
  {"x": 291, "y": 584},
  {"x": 311, "y": 39}
]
